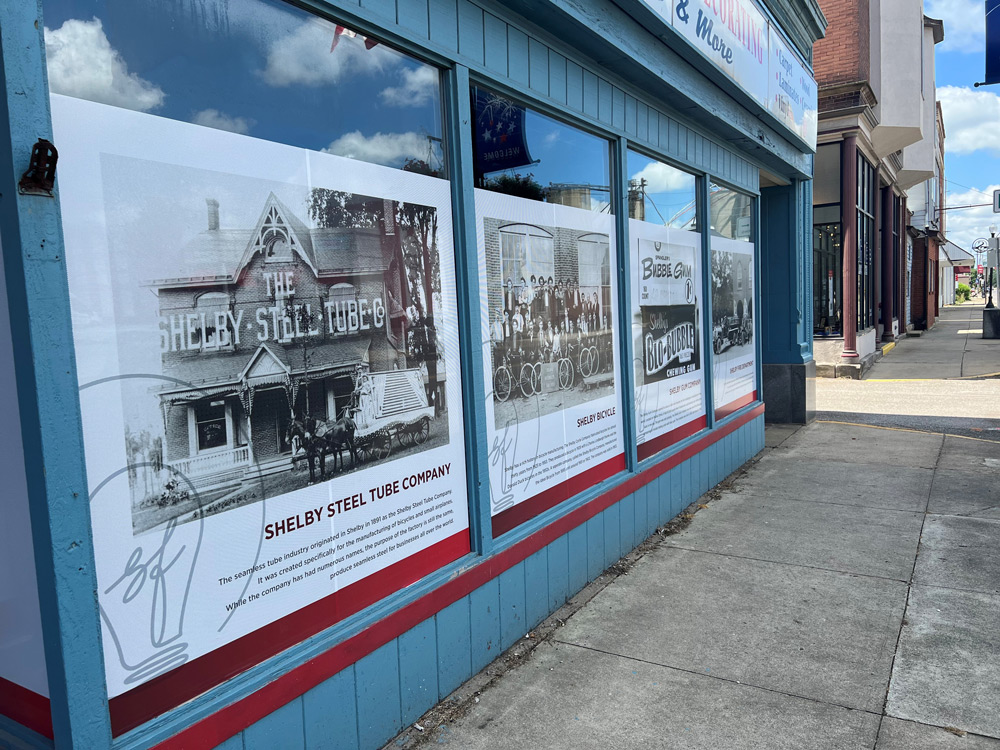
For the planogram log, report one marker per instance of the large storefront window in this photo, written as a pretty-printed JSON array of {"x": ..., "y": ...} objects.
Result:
[
  {"x": 666, "y": 305},
  {"x": 261, "y": 269},
  {"x": 867, "y": 195},
  {"x": 550, "y": 325},
  {"x": 734, "y": 373}
]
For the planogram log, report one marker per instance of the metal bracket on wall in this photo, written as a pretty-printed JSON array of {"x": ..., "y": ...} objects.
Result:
[{"x": 40, "y": 176}]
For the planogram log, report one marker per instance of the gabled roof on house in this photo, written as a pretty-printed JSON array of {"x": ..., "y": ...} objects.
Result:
[{"x": 218, "y": 256}]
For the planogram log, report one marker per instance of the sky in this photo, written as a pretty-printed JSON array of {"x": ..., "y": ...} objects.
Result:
[{"x": 971, "y": 119}]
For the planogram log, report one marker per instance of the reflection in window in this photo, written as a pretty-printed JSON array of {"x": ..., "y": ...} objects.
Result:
[
  {"x": 729, "y": 213},
  {"x": 276, "y": 72},
  {"x": 214, "y": 306},
  {"x": 528, "y": 155},
  {"x": 661, "y": 194}
]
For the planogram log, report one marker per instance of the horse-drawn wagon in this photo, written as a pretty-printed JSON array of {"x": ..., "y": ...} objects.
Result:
[
  {"x": 385, "y": 406},
  {"x": 390, "y": 405}
]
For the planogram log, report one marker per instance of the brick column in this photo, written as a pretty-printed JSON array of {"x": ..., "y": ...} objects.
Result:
[
  {"x": 888, "y": 303},
  {"x": 849, "y": 233}
]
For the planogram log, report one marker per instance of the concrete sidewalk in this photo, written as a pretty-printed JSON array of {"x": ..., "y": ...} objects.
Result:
[{"x": 841, "y": 592}]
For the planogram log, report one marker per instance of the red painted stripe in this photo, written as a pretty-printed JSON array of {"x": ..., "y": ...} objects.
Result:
[
  {"x": 26, "y": 707},
  {"x": 513, "y": 517},
  {"x": 228, "y": 721},
  {"x": 733, "y": 406},
  {"x": 655, "y": 445},
  {"x": 169, "y": 690}
]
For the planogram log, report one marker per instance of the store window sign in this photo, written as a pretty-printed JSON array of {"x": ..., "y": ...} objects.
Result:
[
  {"x": 732, "y": 34},
  {"x": 791, "y": 91}
]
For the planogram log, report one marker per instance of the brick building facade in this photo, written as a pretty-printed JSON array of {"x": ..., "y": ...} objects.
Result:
[{"x": 878, "y": 143}]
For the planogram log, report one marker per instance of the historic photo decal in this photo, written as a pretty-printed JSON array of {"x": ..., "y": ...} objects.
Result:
[
  {"x": 667, "y": 333},
  {"x": 267, "y": 352},
  {"x": 735, "y": 368},
  {"x": 550, "y": 346}
]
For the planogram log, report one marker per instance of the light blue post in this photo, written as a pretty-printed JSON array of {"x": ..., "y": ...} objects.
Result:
[
  {"x": 704, "y": 211},
  {"x": 38, "y": 297},
  {"x": 623, "y": 256},
  {"x": 459, "y": 109}
]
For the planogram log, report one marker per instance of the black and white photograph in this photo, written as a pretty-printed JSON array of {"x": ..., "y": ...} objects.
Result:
[
  {"x": 732, "y": 305},
  {"x": 291, "y": 337},
  {"x": 550, "y": 317},
  {"x": 668, "y": 326}
]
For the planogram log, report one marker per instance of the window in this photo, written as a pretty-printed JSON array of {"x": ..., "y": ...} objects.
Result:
[
  {"x": 661, "y": 194},
  {"x": 594, "y": 270},
  {"x": 521, "y": 152},
  {"x": 828, "y": 279},
  {"x": 215, "y": 307},
  {"x": 527, "y": 258},
  {"x": 243, "y": 66},
  {"x": 210, "y": 425},
  {"x": 729, "y": 213},
  {"x": 867, "y": 239}
]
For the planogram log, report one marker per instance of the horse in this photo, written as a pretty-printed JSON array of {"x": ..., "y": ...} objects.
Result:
[
  {"x": 304, "y": 428},
  {"x": 338, "y": 435}
]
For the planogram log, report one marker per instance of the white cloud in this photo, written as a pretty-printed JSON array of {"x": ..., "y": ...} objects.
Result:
[
  {"x": 213, "y": 118},
  {"x": 420, "y": 87},
  {"x": 970, "y": 119},
  {"x": 303, "y": 57},
  {"x": 82, "y": 63},
  {"x": 963, "y": 226},
  {"x": 964, "y": 24},
  {"x": 661, "y": 178},
  {"x": 391, "y": 149}
]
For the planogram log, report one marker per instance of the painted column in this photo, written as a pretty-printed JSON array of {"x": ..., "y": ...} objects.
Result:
[
  {"x": 849, "y": 225},
  {"x": 888, "y": 307}
]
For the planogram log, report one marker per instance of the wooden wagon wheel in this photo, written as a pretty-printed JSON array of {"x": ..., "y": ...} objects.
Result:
[{"x": 421, "y": 430}]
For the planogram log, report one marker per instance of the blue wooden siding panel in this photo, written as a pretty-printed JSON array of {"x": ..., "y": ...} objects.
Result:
[
  {"x": 605, "y": 102},
  {"x": 484, "y": 615},
  {"x": 536, "y": 588},
  {"x": 612, "y": 535},
  {"x": 595, "y": 546},
  {"x": 512, "y": 617},
  {"x": 618, "y": 105},
  {"x": 538, "y": 67},
  {"x": 233, "y": 743},
  {"x": 517, "y": 56},
  {"x": 574, "y": 86},
  {"x": 703, "y": 472},
  {"x": 678, "y": 499},
  {"x": 641, "y": 121},
  {"x": 444, "y": 23},
  {"x": 470, "y": 31},
  {"x": 384, "y": 9},
  {"x": 453, "y": 646},
  {"x": 331, "y": 714},
  {"x": 558, "y": 572},
  {"x": 577, "y": 547},
  {"x": 495, "y": 42},
  {"x": 590, "y": 94},
  {"x": 630, "y": 117},
  {"x": 280, "y": 730},
  {"x": 557, "y": 78},
  {"x": 378, "y": 695},
  {"x": 653, "y": 127},
  {"x": 418, "y": 674},
  {"x": 413, "y": 16},
  {"x": 641, "y": 515},
  {"x": 626, "y": 524}
]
